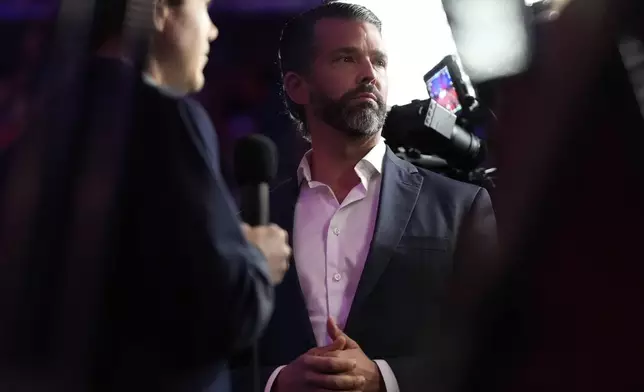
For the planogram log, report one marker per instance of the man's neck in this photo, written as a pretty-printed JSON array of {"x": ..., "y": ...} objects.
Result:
[
  {"x": 334, "y": 157},
  {"x": 154, "y": 76},
  {"x": 154, "y": 73}
]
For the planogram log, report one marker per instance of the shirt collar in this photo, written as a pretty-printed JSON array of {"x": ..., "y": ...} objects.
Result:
[
  {"x": 369, "y": 165},
  {"x": 164, "y": 90}
]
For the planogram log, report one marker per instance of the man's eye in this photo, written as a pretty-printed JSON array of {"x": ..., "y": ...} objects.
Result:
[
  {"x": 345, "y": 59},
  {"x": 381, "y": 63}
]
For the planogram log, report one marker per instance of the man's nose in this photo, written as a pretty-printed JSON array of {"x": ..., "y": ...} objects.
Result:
[{"x": 368, "y": 74}]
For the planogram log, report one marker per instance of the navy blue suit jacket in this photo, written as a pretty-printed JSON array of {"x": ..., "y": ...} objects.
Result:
[
  {"x": 186, "y": 290},
  {"x": 428, "y": 227}
]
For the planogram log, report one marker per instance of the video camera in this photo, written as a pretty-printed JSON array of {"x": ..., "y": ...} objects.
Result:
[{"x": 439, "y": 133}]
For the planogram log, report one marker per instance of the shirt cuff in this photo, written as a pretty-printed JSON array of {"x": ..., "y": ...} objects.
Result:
[
  {"x": 273, "y": 377},
  {"x": 388, "y": 376}
]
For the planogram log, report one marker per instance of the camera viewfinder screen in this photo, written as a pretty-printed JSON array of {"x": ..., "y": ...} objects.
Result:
[{"x": 442, "y": 90}]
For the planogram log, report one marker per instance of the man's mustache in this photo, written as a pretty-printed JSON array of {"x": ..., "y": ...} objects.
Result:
[{"x": 365, "y": 89}]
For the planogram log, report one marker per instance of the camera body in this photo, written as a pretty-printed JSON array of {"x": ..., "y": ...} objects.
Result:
[{"x": 438, "y": 133}]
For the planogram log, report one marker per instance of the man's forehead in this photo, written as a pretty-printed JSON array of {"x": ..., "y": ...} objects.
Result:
[{"x": 336, "y": 32}]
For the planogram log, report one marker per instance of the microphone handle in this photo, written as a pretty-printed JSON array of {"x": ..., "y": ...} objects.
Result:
[
  {"x": 255, "y": 204},
  {"x": 255, "y": 212}
]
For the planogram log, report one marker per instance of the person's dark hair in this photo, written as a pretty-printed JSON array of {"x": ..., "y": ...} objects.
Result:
[
  {"x": 109, "y": 16},
  {"x": 296, "y": 46},
  {"x": 108, "y": 20}
]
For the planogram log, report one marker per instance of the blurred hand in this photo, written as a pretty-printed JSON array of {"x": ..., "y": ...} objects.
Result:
[
  {"x": 365, "y": 367},
  {"x": 320, "y": 369},
  {"x": 272, "y": 241}
]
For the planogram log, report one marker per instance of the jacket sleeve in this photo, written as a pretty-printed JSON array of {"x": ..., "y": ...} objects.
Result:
[{"x": 231, "y": 295}]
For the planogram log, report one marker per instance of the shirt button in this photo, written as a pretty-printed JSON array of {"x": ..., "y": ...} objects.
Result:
[
  {"x": 336, "y": 231},
  {"x": 337, "y": 277}
]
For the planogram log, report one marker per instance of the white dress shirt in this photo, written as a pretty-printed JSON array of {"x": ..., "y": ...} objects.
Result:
[{"x": 330, "y": 245}]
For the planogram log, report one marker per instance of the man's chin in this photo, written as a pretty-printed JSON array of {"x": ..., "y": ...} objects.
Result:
[
  {"x": 361, "y": 130},
  {"x": 362, "y": 109},
  {"x": 363, "y": 104},
  {"x": 197, "y": 83}
]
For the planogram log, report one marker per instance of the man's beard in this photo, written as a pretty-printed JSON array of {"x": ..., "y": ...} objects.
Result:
[{"x": 356, "y": 119}]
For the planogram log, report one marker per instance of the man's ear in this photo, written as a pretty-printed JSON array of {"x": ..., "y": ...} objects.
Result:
[
  {"x": 296, "y": 88},
  {"x": 161, "y": 13}
]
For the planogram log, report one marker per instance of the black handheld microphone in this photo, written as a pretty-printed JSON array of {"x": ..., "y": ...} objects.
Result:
[
  {"x": 255, "y": 167},
  {"x": 255, "y": 163}
]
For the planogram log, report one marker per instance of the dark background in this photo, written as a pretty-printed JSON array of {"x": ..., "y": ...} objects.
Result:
[{"x": 242, "y": 93}]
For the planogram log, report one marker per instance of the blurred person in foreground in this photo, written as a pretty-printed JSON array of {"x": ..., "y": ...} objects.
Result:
[
  {"x": 564, "y": 319},
  {"x": 376, "y": 240},
  {"x": 191, "y": 285}
]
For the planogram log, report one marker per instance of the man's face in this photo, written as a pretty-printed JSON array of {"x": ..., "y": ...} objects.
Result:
[
  {"x": 182, "y": 43},
  {"x": 347, "y": 83}
]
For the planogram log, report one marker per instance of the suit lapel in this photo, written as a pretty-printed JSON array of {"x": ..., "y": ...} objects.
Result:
[
  {"x": 399, "y": 190},
  {"x": 292, "y": 312}
]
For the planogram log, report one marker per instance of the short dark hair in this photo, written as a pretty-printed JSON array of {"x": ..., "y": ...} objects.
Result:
[
  {"x": 109, "y": 16},
  {"x": 108, "y": 20},
  {"x": 296, "y": 46}
]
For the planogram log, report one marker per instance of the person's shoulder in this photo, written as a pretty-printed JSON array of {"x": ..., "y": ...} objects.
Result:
[
  {"x": 447, "y": 191},
  {"x": 448, "y": 185},
  {"x": 198, "y": 114},
  {"x": 199, "y": 125},
  {"x": 195, "y": 107},
  {"x": 443, "y": 195},
  {"x": 438, "y": 183}
]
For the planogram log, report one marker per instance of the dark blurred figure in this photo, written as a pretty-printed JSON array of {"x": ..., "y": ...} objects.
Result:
[
  {"x": 632, "y": 18},
  {"x": 565, "y": 316},
  {"x": 22, "y": 47},
  {"x": 188, "y": 289},
  {"x": 158, "y": 282}
]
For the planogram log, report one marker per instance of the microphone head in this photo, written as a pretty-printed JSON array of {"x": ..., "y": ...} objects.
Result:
[{"x": 255, "y": 160}]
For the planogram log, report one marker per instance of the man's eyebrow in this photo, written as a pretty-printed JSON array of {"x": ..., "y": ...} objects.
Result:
[
  {"x": 352, "y": 50},
  {"x": 379, "y": 54},
  {"x": 346, "y": 49}
]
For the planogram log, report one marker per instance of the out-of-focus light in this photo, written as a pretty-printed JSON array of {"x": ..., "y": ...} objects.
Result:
[
  {"x": 417, "y": 37},
  {"x": 18, "y": 10},
  {"x": 491, "y": 36}
]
